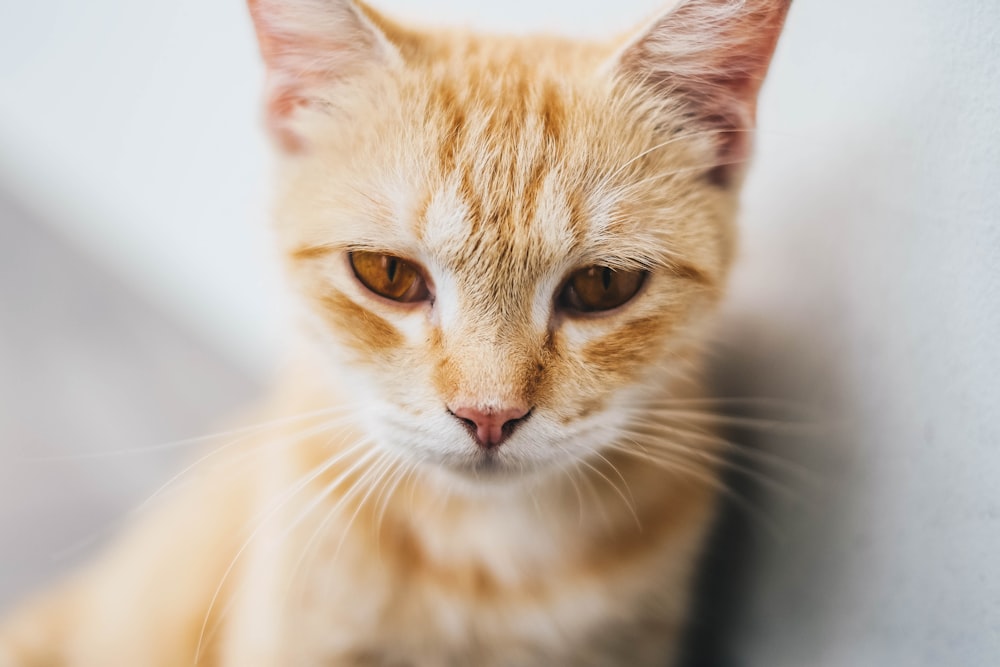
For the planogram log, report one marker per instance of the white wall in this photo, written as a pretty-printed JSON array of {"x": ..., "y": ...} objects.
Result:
[
  {"x": 133, "y": 126},
  {"x": 868, "y": 288}
]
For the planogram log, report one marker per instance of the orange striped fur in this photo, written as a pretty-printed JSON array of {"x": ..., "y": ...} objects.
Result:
[{"x": 374, "y": 532}]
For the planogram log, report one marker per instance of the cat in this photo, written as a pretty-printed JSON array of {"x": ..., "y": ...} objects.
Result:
[{"x": 493, "y": 446}]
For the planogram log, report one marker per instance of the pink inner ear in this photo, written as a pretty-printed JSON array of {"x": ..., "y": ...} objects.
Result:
[
  {"x": 281, "y": 104},
  {"x": 714, "y": 55},
  {"x": 729, "y": 109},
  {"x": 286, "y": 85},
  {"x": 305, "y": 53},
  {"x": 732, "y": 148}
]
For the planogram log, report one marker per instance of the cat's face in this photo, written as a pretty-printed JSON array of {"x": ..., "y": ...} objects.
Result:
[{"x": 503, "y": 244}]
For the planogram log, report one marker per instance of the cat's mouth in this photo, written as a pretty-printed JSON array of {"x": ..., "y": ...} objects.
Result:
[
  {"x": 514, "y": 452},
  {"x": 489, "y": 463},
  {"x": 484, "y": 465}
]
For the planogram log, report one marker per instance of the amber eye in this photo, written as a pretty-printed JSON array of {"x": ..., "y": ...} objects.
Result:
[
  {"x": 598, "y": 288},
  {"x": 389, "y": 276}
]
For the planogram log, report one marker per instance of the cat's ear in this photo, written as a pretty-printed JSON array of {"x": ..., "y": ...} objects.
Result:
[
  {"x": 309, "y": 46},
  {"x": 710, "y": 56}
]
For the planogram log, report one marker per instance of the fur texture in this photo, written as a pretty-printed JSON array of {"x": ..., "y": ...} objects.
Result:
[{"x": 368, "y": 528}]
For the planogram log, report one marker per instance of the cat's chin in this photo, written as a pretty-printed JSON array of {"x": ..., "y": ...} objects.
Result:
[{"x": 484, "y": 472}]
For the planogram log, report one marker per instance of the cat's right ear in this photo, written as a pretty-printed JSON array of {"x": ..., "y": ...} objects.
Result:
[
  {"x": 310, "y": 46},
  {"x": 709, "y": 57}
]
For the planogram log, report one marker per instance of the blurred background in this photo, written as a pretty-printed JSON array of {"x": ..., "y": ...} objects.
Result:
[{"x": 140, "y": 304}]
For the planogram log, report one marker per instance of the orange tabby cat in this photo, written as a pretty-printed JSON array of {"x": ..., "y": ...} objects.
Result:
[{"x": 507, "y": 251}]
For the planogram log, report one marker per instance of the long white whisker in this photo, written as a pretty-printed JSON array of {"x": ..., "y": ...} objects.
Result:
[
  {"x": 605, "y": 518},
  {"x": 196, "y": 440},
  {"x": 711, "y": 459},
  {"x": 672, "y": 435},
  {"x": 321, "y": 496},
  {"x": 727, "y": 420},
  {"x": 341, "y": 454},
  {"x": 706, "y": 477},
  {"x": 403, "y": 473},
  {"x": 618, "y": 473},
  {"x": 579, "y": 496},
  {"x": 215, "y": 452},
  {"x": 177, "y": 477},
  {"x": 671, "y": 140},
  {"x": 383, "y": 467},
  {"x": 625, "y": 499},
  {"x": 372, "y": 472},
  {"x": 270, "y": 511}
]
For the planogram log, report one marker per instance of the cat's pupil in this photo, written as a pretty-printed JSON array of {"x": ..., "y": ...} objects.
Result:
[
  {"x": 606, "y": 278},
  {"x": 391, "y": 267}
]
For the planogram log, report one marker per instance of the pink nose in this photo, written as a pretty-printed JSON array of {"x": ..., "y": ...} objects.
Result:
[{"x": 491, "y": 427}]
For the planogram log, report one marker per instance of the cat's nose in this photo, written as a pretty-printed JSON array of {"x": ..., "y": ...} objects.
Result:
[{"x": 490, "y": 427}]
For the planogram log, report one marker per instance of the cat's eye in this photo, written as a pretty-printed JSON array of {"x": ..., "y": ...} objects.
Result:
[
  {"x": 389, "y": 276},
  {"x": 597, "y": 288}
]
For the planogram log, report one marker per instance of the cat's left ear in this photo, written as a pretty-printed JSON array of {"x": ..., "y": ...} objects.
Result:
[
  {"x": 708, "y": 57},
  {"x": 310, "y": 46}
]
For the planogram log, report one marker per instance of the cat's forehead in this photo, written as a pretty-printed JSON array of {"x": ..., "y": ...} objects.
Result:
[
  {"x": 469, "y": 231},
  {"x": 500, "y": 178},
  {"x": 507, "y": 165},
  {"x": 511, "y": 170}
]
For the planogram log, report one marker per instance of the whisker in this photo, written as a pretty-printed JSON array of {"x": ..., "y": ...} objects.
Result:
[
  {"x": 659, "y": 146},
  {"x": 708, "y": 478},
  {"x": 392, "y": 460},
  {"x": 579, "y": 496},
  {"x": 371, "y": 472},
  {"x": 283, "y": 498},
  {"x": 675, "y": 447},
  {"x": 605, "y": 518},
  {"x": 617, "y": 472},
  {"x": 531, "y": 493},
  {"x": 614, "y": 486},
  {"x": 402, "y": 474},
  {"x": 317, "y": 500},
  {"x": 757, "y": 402},
  {"x": 293, "y": 437},
  {"x": 671, "y": 432},
  {"x": 757, "y": 423},
  {"x": 245, "y": 431},
  {"x": 341, "y": 454},
  {"x": 177, "y": 477}
]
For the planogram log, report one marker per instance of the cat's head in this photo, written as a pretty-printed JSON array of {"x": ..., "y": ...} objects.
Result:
[{"x": 505, "y": 243}]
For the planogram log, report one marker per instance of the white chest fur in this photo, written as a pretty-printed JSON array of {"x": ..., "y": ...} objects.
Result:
[{"x": 503, "y": 584}]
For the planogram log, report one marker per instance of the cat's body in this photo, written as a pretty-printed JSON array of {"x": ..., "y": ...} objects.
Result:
[{"x": 508, "y": 250}]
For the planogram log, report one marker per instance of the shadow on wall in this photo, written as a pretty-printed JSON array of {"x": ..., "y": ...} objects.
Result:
[
  {"x": 791, "y": 494},
  {"x": 773, "y": 483}
]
